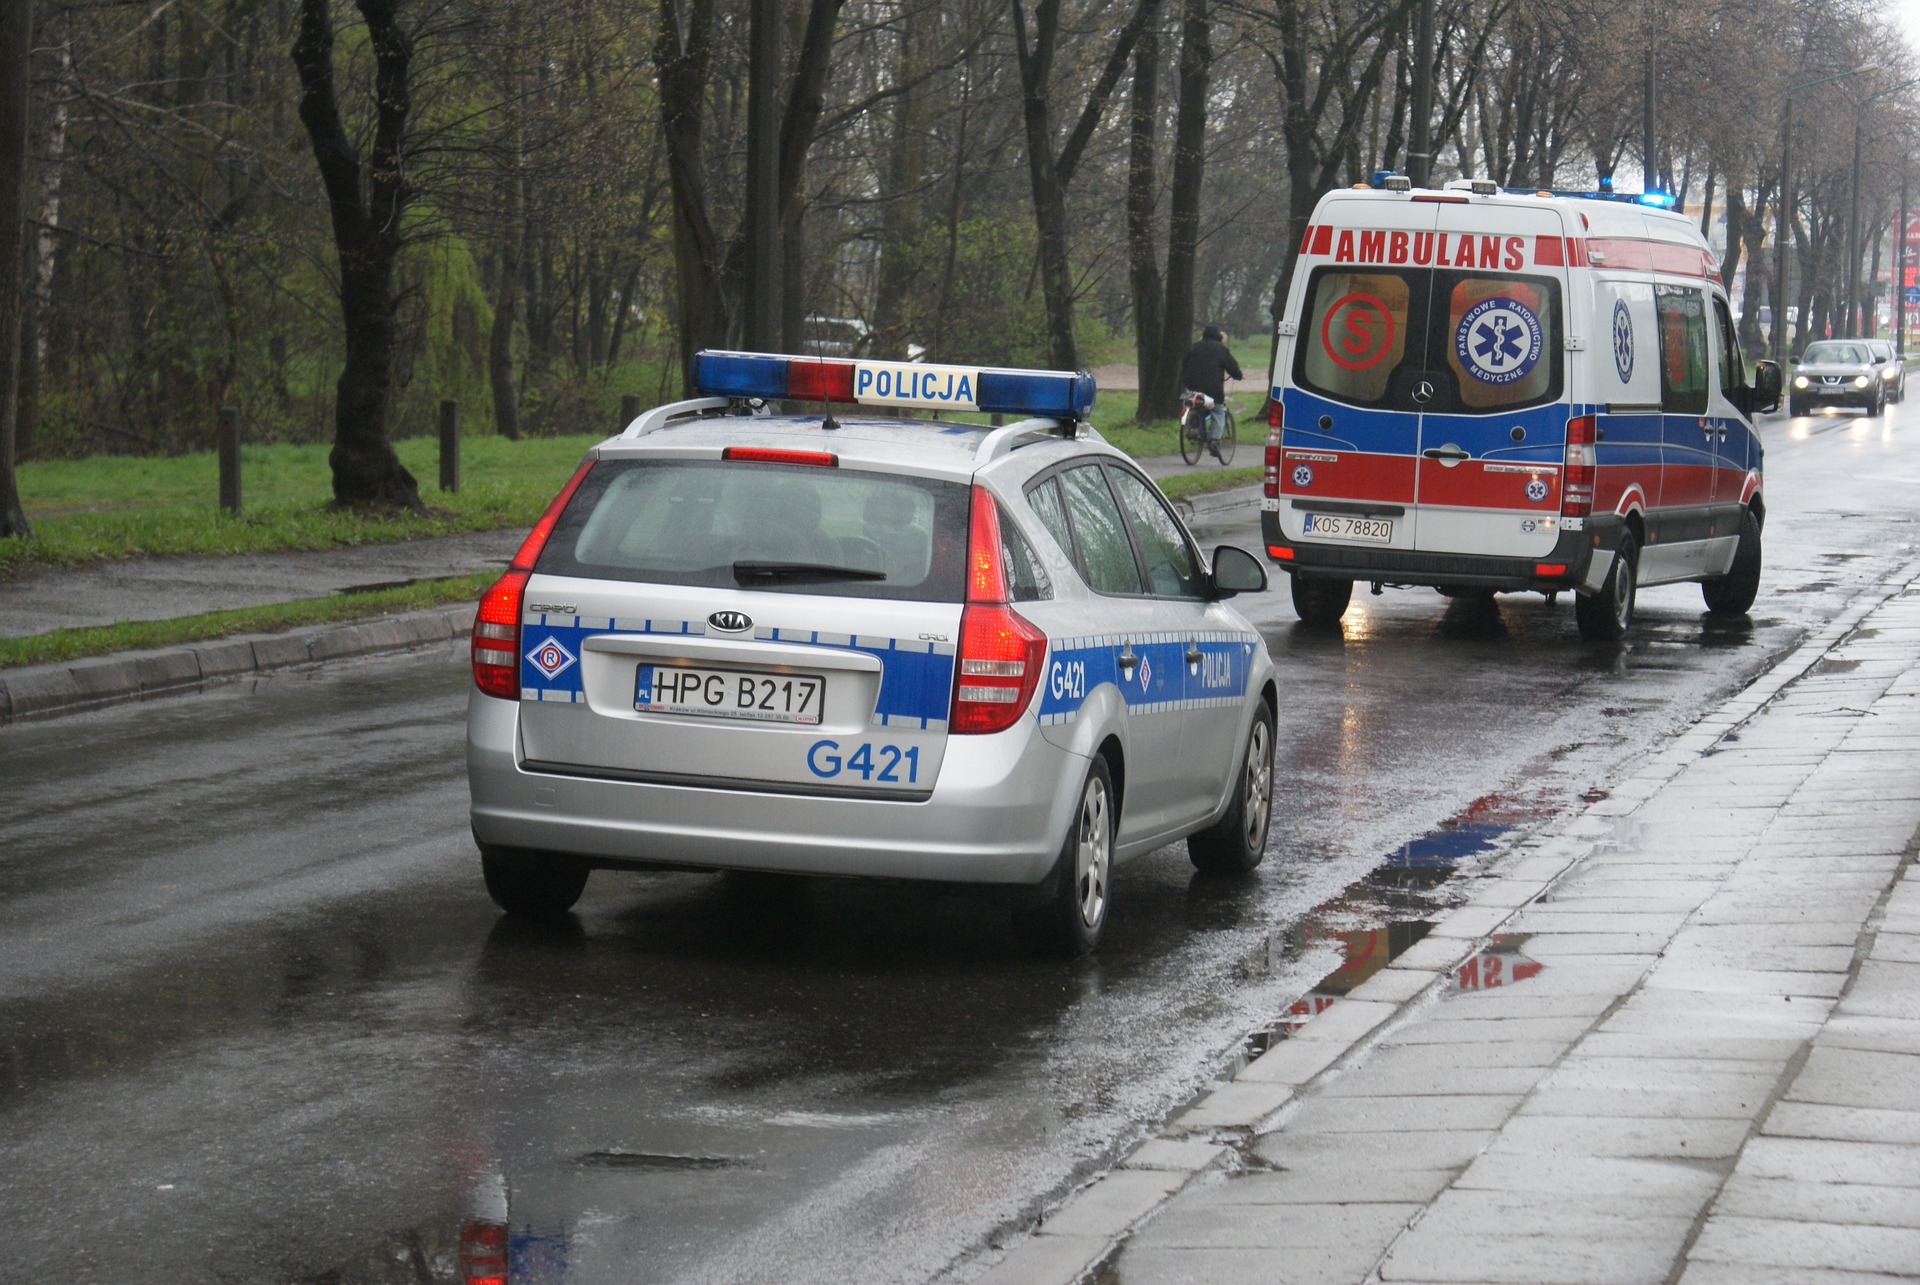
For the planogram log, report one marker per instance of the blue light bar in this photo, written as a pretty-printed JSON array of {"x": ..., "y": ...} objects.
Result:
[
  {"x": 1058, "y": 393},
  {"x": 1661, "y": 199}
]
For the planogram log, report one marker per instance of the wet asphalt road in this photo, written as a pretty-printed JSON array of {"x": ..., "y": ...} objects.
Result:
[{"x": 258, "y": 1020}]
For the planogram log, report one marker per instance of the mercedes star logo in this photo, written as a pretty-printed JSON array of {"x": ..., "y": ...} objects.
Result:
[{"x": 1423, "y": 392}]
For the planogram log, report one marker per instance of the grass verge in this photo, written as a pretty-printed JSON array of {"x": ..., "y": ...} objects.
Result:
[
  {"x": 1185, "y": 485},
  {"x": 85, "y": 511},
  {"x": 101, "y": 640}
]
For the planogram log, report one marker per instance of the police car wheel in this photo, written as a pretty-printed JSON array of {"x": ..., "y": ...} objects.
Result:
[
  {"x": 532, "y": 885},
  {"x": 1733, "y": 593},
  {"x": 1072, "y": 909},
  {"x": 1235, "y": 843},
  {"x": 1605, "y": 616},
  {"x": 1321, "y": 602}
]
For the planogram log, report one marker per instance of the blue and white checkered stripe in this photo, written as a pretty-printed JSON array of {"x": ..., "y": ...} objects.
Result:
[{"x": 916, "y": 677}]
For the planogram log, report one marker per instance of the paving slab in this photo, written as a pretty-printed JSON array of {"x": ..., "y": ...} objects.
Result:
[
  {"x": 1791, "y": 1243},
  {"x": 1819, "y": 1202}
]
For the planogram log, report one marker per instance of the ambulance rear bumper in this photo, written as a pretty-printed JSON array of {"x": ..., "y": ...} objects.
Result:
[{"x": 1566, "y": 567}]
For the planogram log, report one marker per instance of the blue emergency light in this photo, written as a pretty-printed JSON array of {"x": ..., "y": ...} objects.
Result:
[{"x": 1059, "y": 393}]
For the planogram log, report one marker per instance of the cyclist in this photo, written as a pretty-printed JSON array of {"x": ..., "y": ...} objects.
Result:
[{"x": 1205, "y": 369}]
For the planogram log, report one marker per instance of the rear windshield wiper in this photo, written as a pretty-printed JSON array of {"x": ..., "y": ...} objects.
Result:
[{"x": 771, "y": 570}]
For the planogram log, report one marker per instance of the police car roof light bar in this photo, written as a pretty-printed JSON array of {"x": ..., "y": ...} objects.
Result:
[{"x": 1063, "y": 394}]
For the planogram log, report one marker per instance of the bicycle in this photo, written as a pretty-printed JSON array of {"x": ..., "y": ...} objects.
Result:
[{"x": 1194, "y": 408}]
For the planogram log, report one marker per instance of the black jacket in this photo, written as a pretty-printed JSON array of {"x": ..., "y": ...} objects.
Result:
[{"x": 1205, "y": 367}]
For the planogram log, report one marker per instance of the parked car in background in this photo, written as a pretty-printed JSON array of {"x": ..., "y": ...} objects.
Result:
[{"x": 1837, "y": 372}]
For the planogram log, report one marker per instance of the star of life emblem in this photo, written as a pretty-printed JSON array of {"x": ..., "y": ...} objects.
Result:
[
  {"x": 550, "y": 658},
  {"x": 1622, "y": 340},
  {"x": 1499, "y": 340},
  {"x": 1536, "y": 489},
  {"x": 1302, "y": 475}
]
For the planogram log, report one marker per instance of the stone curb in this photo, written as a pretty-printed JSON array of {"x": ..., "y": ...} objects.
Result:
[
  {"x": 1212, "y": 504},
  {"x": 45, "y": 691},
  {"x": 1076, "y": 1239}
]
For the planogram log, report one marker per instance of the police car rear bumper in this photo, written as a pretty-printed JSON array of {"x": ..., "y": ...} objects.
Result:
[
  {"x": 997, "y": 814},
  {"x": 1571, "y": 556}
]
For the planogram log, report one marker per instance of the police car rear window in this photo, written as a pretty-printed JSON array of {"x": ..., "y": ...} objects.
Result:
[
  {"x": 773, "y": 527},
  {"x": 1419, "y": 339}
]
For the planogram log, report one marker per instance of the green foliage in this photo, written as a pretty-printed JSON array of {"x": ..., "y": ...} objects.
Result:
[
  {"x": 995, "y": 314},
  {"x": 444, "y": 351}
]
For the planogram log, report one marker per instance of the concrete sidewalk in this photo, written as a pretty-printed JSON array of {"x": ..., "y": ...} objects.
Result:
[{"x": 1713, "y": 1076}]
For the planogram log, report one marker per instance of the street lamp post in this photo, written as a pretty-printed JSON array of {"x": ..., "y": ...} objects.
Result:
[
  {"x": 1783, "y": 230},
  {"x": 1854, "y": 324}
]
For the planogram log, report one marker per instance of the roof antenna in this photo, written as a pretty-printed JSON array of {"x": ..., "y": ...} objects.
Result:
[{"x": 827, "y": 421}]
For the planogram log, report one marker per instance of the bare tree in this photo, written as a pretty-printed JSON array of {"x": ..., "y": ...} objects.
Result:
[
  {"x": 16, "y": 43},
  {"x": 367, "y": 201}
]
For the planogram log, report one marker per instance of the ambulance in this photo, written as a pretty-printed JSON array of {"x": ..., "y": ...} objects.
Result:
[{"x": 1485, "y": 391}]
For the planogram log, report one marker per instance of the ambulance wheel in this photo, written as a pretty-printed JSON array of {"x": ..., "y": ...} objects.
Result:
[
  {"x": 1321, "y": 602},
  {"x": 1606, "y": 615},
  {"x": 532, "y": 885},
  {"x": 1234, "y": 844},
  {"x": 1072, "y": 908},
  {"x": 1733, "y": 593}
]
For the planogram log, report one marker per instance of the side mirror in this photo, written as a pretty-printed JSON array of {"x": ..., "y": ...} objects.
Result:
[
  {"x": 1236, "y": 571},
  {"x": 1768, "y": 383}
]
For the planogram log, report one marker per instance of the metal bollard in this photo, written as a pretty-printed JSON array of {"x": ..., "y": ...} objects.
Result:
[
  {"x": 450, "y": 445},
  {"x": 227, "y": 442},
  {"x": 629, "y": 411}
]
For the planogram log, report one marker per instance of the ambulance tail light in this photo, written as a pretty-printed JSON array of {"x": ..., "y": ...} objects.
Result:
[
  {"x": 1000, "y": 654},
  {"x": 1272, "y": 476},
  {"x": 495, "y": 646},
  {"x": 1577, "y": 478},
  {"x": 484, "y": 1249}
]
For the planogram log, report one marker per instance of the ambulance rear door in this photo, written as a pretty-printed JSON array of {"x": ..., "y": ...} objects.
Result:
[
  {"x": 1492, "y": 388},
  {"x": 1350, "y": 434}
]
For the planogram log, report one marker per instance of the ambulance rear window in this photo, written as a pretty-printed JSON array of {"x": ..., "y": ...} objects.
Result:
[{"x": 1419, "y": 339}]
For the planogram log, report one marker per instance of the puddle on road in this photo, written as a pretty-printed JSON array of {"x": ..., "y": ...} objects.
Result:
[{"x": 1381, "y": 916}]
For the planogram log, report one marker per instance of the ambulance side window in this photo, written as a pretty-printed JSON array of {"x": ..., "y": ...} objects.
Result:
[
  {"x": 1354, "y": 333},
  {"x": 1733, "y": 370},
  {"x": 1682, "y": 316}
]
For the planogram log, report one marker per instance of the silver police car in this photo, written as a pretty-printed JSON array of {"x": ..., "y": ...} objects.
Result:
[{"x": 867, "y": 646}]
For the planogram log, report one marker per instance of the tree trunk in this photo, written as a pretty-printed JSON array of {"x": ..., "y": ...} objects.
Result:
[
  {"x": 1148, "y": 304},
  {"x": 903, "y": 213},
  {"x": 1049, "y": 201},
  {"x": 805, "y": 104},
  {"x": 16, "y": 43},
  {"x": 764, "y": 267},
  {"x": 367, "y": 215},
  {"x": 1189, "y": 174},
  {"x": 684, "y": 54}
]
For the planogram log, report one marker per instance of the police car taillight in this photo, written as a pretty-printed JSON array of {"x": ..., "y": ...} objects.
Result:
[
  {"x": 1577, "y": 478},
  {"x": 496, "y": 624},
  {"x": 1000, "y": 655}
]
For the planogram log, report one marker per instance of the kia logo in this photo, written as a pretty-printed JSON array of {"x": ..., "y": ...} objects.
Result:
[{"x": 731, "y": 622}]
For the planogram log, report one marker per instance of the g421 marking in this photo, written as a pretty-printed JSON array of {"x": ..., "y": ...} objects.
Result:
[{"x": 873, "y": 762}]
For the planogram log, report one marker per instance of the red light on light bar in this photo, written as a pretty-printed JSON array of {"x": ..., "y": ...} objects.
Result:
[
  {"x": 1549, "y": 568},
  {"x": 1441, "y": 200},
  {"x": 769, "y": 455},
  {"x": 819, "y": 381}
]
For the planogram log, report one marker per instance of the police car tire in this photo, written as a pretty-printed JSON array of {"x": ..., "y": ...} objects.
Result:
[
  {"x": 1061, "y": 922},
  {"x": 1607, "y": 615},
  {"x": 1234, "y": 844},
  {"x": 532, "y": 885},
  {"x": 1733, "y": 593},
  {"x": 1321, "y": 602}
]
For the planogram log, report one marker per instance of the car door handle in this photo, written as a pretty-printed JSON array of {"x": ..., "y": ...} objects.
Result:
[
  {"x": 1446, "y": 453},
  {"x": 1194, "y": 654},
  {"x": 1126, "y": 659}
]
